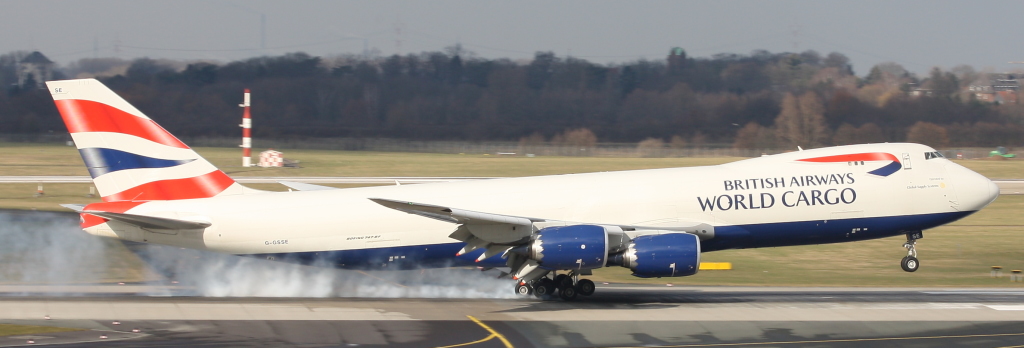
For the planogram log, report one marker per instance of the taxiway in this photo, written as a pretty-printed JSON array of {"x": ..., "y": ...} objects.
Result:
[{"x": 617, "y": 315}]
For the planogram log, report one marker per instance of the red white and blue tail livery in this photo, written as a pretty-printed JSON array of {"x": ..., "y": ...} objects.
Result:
[
  {"x": 654, "y": 222},
  {"x": 130, "y": 157}
]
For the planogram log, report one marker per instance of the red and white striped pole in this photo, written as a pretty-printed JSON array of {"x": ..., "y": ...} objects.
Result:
[{"x": 246, "y": 132}]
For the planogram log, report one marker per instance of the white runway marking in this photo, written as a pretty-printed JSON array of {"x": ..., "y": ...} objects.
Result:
[{"x": 998, "y": 293}]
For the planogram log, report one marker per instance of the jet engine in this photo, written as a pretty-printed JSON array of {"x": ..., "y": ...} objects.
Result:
[
  {"x": 663, "y": 255},
  {"x": 572, "y": 247}
]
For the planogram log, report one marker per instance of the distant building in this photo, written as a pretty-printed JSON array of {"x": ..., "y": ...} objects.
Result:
[
  {"x": 676, "y": 59},
  {"x": 34, "y": 69},
  {"x": 995, "y": 88},
  {"x": 916, "y": 90}
]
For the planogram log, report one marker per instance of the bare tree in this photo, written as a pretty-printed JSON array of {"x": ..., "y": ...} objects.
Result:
[
  {"x": 754, "y": 136},
  {"x": 801, "y": 121},
  {"x": 928, "y": 133},
  {"x": 677, "y": 142},
  {"x": 650, "y": 147}
]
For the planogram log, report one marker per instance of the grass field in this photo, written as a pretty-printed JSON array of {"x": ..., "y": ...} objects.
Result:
[
  {"x": 959, "y": 254},
  {"x": 15, "y": 330}
]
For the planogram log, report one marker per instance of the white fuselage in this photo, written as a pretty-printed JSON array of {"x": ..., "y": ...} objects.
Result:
[{"x": 767, "y": 191}]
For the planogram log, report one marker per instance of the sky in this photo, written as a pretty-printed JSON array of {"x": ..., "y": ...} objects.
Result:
[{"x": 916, "y": 34}]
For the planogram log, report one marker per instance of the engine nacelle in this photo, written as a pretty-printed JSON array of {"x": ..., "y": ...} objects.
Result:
[
  {"x": 663, "y": 255},
  {"x": 570, "y": 247}
]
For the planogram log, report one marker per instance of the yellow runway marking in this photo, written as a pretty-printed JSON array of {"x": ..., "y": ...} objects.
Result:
[
  {"x": 380, "y": 279},
  {"x": 843, "y": 340},
  {"x": 494, "y": 334}
]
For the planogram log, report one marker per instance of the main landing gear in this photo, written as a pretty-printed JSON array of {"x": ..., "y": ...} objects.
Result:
[
  {"x": 910, "y": 262},
  {"x": 567, "y": 286}
]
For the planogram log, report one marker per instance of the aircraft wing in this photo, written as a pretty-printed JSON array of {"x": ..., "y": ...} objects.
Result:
[
  {"x": 500, "y": 234},
  {"x": 150, "y": 221},
  {"x": 492, "y": 228}
]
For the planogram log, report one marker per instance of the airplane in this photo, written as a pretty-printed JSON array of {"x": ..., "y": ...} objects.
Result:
[{"x": 546, "y": 231}]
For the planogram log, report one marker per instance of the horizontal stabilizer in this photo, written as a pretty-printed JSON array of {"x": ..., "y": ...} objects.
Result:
[
  {"x": 75, "y": 207},
  {"x": 301, "y": 186},
  {"x": 150, "y": 221}
]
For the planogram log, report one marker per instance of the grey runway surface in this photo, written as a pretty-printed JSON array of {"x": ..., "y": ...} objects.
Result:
[{"x": 617, "y": 315}]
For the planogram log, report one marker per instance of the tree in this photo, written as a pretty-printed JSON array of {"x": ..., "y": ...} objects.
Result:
[
  {"x": 928, "y": 133},
  {"x": 754, "y": 136},
  {"x": 801, "y": 121},
  {"x": 870, "y": 133},
  {"x": 455, "y": 70},
  {"x": 580, "y": 137},
  {"x": 677, "y": 142},
  {"x": 745, "y": 77},
  {"x": 532, "y": 143},
  {"x": 540, "y": 69},
  {"x": 840, "y": 61},
  {"x": 867, "y": 133},
  {"x": 144, "y": 70},
  {"x": 650, "y": 147},
  {"x": 942, "y": 84},
  {"x": 846, "y": 134}
]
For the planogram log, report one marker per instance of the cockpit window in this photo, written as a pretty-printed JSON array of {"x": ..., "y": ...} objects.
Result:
[{"x": 930, "y": 155}]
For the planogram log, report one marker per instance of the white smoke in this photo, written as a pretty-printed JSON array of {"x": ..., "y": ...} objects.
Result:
[{"x": 50, "y": 248}]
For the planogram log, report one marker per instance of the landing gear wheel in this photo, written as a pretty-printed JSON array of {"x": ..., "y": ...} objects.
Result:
[
  {"x": 910, "y": 264},
  {"x": 568, "y": 293},
  {"x": 562, "y": 281},
  {"x": 523, "y": 290},
  {"x": 585, "y": 287},
  {"x": 544, "y": 287}
]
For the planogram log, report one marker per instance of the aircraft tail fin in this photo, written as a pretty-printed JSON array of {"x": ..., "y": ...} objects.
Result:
[{"x": 129, "y": 156}]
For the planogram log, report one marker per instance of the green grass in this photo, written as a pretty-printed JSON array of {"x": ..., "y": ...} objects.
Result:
[
  {"x": 16, "y": 330},
  {"x": 22, "y": 196}
]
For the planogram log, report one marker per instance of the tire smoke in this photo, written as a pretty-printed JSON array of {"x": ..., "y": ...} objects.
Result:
[{"x": 50, "y": 249}]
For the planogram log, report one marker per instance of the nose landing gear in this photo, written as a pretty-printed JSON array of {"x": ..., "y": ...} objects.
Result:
[{"x": 910, "y": 262}]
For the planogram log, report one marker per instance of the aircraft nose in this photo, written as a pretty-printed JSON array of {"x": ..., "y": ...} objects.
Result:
[{"x": 973, "y": 190}]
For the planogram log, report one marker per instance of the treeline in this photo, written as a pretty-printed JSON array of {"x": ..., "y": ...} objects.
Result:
[{"x": 760, "y": 100}]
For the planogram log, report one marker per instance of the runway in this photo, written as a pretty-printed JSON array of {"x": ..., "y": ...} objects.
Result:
[{"x": 617, "y": 315}]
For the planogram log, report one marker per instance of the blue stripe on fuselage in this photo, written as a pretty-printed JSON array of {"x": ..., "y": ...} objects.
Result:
[
  {"x": 102, "y": 161},
  {"x": 887, "y": 170},
  {"x": 823, "y": 231},
  {"x": 726, "y": 237}
]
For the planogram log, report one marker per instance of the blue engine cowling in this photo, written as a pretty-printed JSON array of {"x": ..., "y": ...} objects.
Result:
[
  {"x": 663, "y": 255},
  {"x": 570, "y": 247}
]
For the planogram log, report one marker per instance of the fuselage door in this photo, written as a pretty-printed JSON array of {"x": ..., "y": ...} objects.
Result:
[{"x": 906, "y": 160}]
